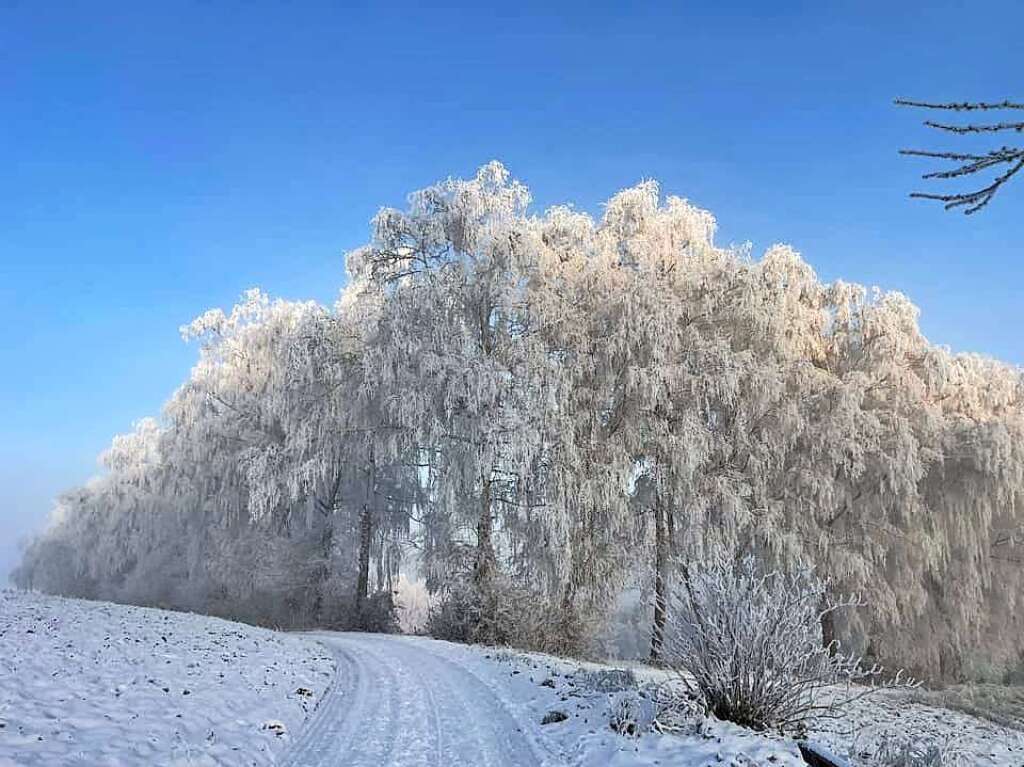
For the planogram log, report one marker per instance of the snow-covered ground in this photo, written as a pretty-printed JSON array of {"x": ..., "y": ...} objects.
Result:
[
  {"x": 407, "y": 701},
  {"x": 85, "y": 683},
  {"x": 978, "y": 742},
  {"x": 865, "y": 723},
  {"x": 92, "y": 683},
  {"x": 417, "y": 701}
]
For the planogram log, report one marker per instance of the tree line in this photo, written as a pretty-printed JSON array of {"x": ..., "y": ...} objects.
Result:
[{"x": 533, "y": 413}]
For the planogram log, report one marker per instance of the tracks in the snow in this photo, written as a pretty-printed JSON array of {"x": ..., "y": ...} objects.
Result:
[{"x": 401, "y": 702}]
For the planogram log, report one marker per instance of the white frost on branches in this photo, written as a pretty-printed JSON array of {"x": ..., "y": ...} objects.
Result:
[
  {"x": 535, "y": 411},
  {"x": 749, "y": 645}
]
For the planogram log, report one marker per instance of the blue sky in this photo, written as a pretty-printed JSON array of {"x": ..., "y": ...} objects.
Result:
[{"x": 157, "y": 159}]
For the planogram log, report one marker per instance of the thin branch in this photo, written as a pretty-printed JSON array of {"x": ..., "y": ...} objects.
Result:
[
  {"x": 972, "y": 201},
  {"x": 943, "y": 155},
  {"x": 960, "y": 106},
  {"x": 976, "y": 128}
]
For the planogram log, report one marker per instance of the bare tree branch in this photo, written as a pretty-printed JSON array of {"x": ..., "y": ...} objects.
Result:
[
  {"x": 991, "y": 128},
  {"x": 971, "y": 201},
  {"x": 1010, "y": 157},
  {"x": 960, "y": 106}
]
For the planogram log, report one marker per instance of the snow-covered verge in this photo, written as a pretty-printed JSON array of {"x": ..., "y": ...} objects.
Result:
[
  {"x": 89, "y": 683},
  {"x": 589, "y": 695},
  {"x": 867, "y": 722},
  {"x": 93, "y": 683},
  {"x": 539, "y": 690}
]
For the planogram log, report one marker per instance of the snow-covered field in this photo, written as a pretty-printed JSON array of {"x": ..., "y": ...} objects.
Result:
[
  {"x": 417, "y": 701},
  {"x": 587, "y": 738},
  {"x": 977, "y": 741},
  {"x": 92, "y": 683}
]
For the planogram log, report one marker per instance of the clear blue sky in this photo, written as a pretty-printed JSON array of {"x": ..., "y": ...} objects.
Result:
[{"x": 158, "y": 158}]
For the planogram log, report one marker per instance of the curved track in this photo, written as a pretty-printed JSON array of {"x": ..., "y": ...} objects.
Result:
[{"x": 403, "y": 702}]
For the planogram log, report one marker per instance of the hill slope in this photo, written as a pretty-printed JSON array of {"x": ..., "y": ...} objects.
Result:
[{"x": 94, "y": 683}]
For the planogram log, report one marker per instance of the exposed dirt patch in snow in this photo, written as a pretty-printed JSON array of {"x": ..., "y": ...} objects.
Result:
[{"x": 94, "y": 683}]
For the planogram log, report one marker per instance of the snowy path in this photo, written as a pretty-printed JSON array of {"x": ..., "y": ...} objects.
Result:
[{"x": 404, "y": 702}]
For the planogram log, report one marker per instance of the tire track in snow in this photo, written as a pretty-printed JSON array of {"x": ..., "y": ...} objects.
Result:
[{"x": 398, "y": 702}]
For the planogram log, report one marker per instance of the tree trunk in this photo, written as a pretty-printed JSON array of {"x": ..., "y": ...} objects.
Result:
[
  {"x": 483, "y": 570},
  {"x": 363, "y": 578},
  {"x": 324, "y": 570},
  {"x": 487, "y": 631},
  {"x": 572, "y": 612},
  {"x": 365, "y": 540},
  {"x": 661, "y": 581},
  {"x": 570, "y": 632},
  {"x": 828, "y": 628}
]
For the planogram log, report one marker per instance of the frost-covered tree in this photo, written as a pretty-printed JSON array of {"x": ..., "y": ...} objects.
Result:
[
  {"x": 651, "y": 361},
  {"x": 867, "y": 492},
  {"x": 457, "y": 364},
  {"x": 262, "y": 457},
  {"x": 674, "y": 368},
  {"x": 286, "y": 382},
  {"x": 534, "y": 412}
]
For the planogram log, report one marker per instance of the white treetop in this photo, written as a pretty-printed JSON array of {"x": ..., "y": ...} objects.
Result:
[{"x": 535, "y": 411}]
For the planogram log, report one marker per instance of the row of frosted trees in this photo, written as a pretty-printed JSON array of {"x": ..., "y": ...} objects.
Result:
[{"x": 535, "y": 414}]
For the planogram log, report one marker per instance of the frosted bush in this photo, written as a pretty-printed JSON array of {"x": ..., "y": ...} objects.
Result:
[
  {"x": 676, "y": 710},
  {"x": 379, "y": 614},
  {"x": 500, "y": 615},
  {"x": 456, "y": 615},
  {"x": 897, "y": 751},
  {"x": 748, "y": 644},
  {"x": 611, "y": 680},
  {"x": 630, "y": 714}
]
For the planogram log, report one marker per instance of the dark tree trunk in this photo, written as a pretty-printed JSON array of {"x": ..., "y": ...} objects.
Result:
[
  {"x": 363, "y": 578},
  {"x": 483, "y": 571},
  {"x": 571, "y": 630},
  {"x": 326, "y": 507},
  {"x": 828, "y": 628},
  {"x": 661, "y": 580},
  {"x": 365, "y": 541},
  {"x": 324, "y": 570}
]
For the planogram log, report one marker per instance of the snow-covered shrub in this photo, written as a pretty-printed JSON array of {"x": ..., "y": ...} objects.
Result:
[
  {"x": 568, "y": 630},
  {"x": 379, "y": 613},
  {"x": 456, "y": 615},
  {"x": 611, "y": 680},
  {"x": 465, "y": 614},
  {"x": 676, "y": 710},
  {"x": 504, "y": 615},
  {"x": 901, "y": 751},
  {"x": 630, "y": 714},
  {"x": 748, "y": 644}
]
